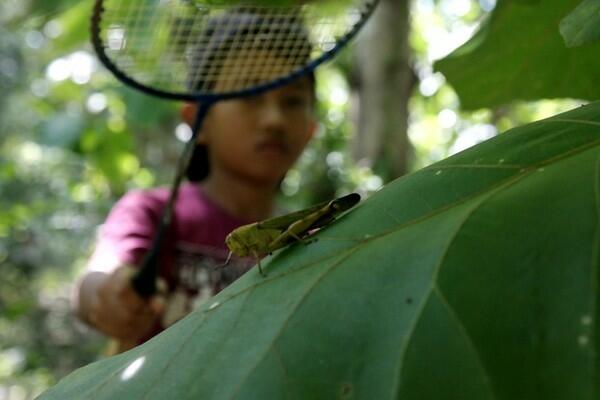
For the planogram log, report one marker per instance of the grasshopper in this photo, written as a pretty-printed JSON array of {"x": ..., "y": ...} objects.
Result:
[{"x": 264, "y": 237}]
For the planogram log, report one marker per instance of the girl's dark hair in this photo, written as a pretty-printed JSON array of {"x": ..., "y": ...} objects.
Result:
[{"x": 226, "y": 33}]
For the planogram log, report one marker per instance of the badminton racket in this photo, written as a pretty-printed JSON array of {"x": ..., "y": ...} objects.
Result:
[{"x": 205, "y": 51}]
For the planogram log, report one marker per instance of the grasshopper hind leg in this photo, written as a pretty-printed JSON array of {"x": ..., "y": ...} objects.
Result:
[
  {"x": 260, "y": 270},
  {"x": 305, "y": 240}
]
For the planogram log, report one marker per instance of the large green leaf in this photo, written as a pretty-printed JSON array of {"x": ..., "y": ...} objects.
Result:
[
  {"x": 583, "y": 24},
  {"x": 475, "y": 278},
  {"x": 519, "y": 54}
]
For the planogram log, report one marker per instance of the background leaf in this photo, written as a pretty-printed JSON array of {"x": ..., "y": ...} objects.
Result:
[
  {"x": 520, "y": 55},
  {"x": 476, "y": 278},
  {"x": 582, "y": 26}
]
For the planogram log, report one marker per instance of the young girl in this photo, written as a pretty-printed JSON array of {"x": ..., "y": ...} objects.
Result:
[{"x": 244, "y": 150}]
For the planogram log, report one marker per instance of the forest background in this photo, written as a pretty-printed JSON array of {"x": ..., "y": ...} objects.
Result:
[{"x": 73, "y": 139}]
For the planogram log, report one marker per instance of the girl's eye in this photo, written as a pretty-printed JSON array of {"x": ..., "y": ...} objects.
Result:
[
  {"x": 252, "y": 99},
  {"x": 295, "y": 101}
]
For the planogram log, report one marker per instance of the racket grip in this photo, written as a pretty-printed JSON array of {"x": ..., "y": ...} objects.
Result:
[{"x": 144, "y": 279}]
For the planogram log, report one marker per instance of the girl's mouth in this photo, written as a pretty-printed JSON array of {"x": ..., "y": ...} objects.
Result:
[{"x": 272, "y": 146}]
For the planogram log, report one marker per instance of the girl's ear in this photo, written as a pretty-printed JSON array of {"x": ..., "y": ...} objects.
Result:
[
  {"x": 313, "y": 128},
  {"x": 188, "y": 115},
  {"x": 188, "y": 112}
]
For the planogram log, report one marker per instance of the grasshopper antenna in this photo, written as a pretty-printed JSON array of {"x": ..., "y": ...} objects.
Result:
[{"x": 226, "y": 262}]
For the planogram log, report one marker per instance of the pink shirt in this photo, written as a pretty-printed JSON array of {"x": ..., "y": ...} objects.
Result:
[{"x": 194, "y": 245}]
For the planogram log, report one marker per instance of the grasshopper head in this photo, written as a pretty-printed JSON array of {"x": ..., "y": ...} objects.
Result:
[{"x": 237, "y": 245}]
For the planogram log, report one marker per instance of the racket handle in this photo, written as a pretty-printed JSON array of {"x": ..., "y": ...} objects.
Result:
[{"x": 144, "y": 280}]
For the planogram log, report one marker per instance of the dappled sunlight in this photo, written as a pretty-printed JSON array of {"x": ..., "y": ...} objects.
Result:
[
  {"x": 133, "y": 368},
  {"x": 77, "y": 66},
  {"x": 183, "y": 132},
  {"x": 471, "y": 136},
  {"x": 96, "y": 103}
]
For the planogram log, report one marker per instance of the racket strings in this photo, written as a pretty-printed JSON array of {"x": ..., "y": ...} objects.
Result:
[
  {"x": 267, "y": 55},
  {"x": 186, "y": 47}
]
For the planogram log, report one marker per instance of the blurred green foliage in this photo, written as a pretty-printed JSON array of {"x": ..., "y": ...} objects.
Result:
[
  {"x": 582, "y": 26},
  {"x": 73, "y": 139},
  {"x": 520, "y": 54}
]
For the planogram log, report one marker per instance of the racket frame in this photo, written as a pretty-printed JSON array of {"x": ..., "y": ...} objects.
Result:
[{"x": 214, "y": 97}]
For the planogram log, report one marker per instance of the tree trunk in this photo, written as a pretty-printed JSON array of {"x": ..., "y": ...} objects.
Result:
[{"x": 381, "y": 84}]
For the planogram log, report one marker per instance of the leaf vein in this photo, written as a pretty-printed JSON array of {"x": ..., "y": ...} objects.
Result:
[
  {"x": 594, "y": 279},
  {"x": 575, "y": 121},
  {"x": 422, "y": 305},
  {"x": 287, "y": 319},
  {"x": 464, "y": 333},
  {"x": 172, "y": 358}
]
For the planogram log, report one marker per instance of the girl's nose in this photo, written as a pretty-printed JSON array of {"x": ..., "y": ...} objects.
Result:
[{"x": 272, "y": 114}]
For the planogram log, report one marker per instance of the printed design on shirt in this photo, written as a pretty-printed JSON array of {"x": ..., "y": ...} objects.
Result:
[{"x": 198, "y": 279}]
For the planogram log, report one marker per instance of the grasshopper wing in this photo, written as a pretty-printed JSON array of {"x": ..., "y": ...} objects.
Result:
[
  {"x": 284, "y": 221},
  {"x": 329, "y": 210},
  {"x": 335, "y": 208}
]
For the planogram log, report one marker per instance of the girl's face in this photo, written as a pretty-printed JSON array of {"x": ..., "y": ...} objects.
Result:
[{"x": 258, "y": 138}]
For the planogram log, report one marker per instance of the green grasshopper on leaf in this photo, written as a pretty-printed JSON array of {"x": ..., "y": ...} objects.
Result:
[{"x": 264, "y": 237}]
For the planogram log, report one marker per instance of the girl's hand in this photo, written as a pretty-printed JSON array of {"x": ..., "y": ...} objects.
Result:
[{"x": 118, "y": 311}]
